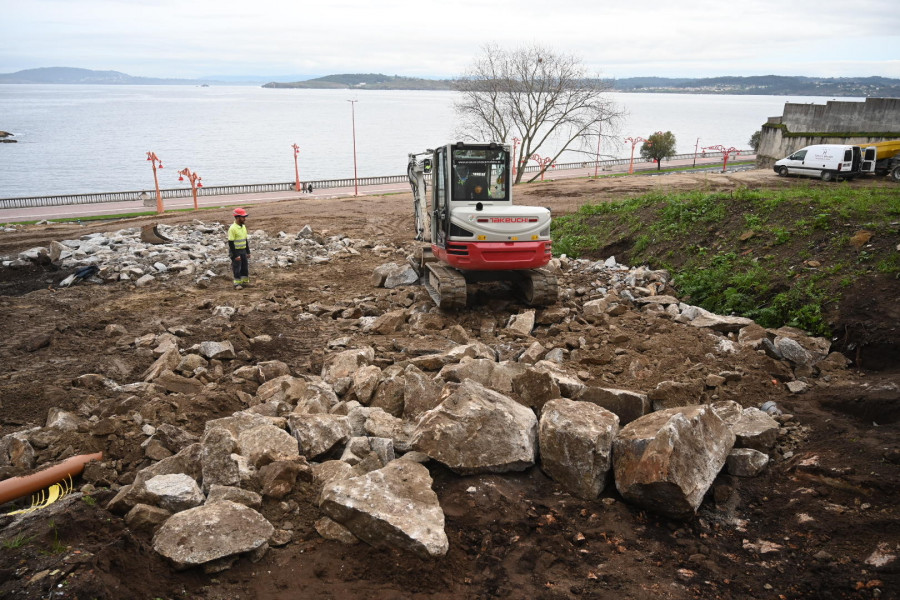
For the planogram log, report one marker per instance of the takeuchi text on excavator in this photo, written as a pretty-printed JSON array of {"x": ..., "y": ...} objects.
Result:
[{"x": 474, "y": 231}]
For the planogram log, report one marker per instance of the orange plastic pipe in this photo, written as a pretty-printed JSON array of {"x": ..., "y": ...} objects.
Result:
[{"x": 16, "y": 487}]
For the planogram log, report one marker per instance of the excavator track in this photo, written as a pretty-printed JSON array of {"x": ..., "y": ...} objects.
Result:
[
  {"x": 538, "y": 287},
  {"x": 447, "y": 286}
]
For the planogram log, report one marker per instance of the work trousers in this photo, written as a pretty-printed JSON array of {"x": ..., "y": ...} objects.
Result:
[{"x": 241, "y": 268}]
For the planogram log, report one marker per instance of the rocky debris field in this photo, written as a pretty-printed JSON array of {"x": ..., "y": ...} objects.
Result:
[{"x": 328, "y": 432}]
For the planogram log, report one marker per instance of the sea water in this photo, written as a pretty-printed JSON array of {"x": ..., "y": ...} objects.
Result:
[{"x": 74, "y": 139}]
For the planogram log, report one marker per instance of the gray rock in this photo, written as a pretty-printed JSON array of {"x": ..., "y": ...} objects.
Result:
[
  {"x": 144, "y": 517},
  {"x": 391, "y": 507},
  {"x": 394, "y": 275},
  {"x": 793, "y": 351},
  {"x": 521, "y": 324},
  {"x": 175, "y": 492},
  {"x": 16, "y": 451},
  {"x": 318, "y": 433},
  {"x": 755, "y": 429},
  {"x": 211, "y": 532},
  {"x": 345, "y": 364},
  {"x": 217, "y": 350},
  {"x": 266, "y": 443},
  {"x": 667, "y": 460},
  {"x": 746, "y": 462},
  {"x": 720, "y": 323},
  {"x": 576, "y": 445},
  {"x": 534, "y": 388},
  {"x": 177, "y": 384},
  {"x": 218, "y": 493},
  {"x": 368, "y": 453},
  {"x": 332, "y": 530},
  {"x": 219, "y": 467},
  {"x": 420, "y": 392},
  {"x": 365, "y": 382},
  {"x": 625, "y": 404},
  {"x": 477, "y": 430}
]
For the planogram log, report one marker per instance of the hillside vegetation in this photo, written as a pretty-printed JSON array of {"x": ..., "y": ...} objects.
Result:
[{"x": 779, "y": 256}]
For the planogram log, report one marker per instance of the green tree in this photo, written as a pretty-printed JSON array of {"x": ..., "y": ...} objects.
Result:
[
  {"x": 659, "y": 146},
  {"x": 543, "y": 98},
  {"x": 754, "y": 140}
]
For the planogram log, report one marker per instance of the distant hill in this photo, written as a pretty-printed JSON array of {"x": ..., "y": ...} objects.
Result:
[
  {"x": 87, "y": 76},
  {"x": 774, "y": 85},
  {"x": 370, "y": 81}
]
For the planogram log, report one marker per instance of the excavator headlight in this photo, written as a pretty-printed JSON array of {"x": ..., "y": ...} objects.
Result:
[{"x": 545, "y": 232}]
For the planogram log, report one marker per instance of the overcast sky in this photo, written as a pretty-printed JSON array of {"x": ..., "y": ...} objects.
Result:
[{"x": 440, "y": 38}]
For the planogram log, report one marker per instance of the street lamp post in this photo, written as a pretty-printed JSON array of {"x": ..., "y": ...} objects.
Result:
[
  {"x": 353, "y": 116},
  {"x": 516, "y": 142},
  {"x": 296, "y": 168},
  {"x": 726, "y": 152},
  {"x": 697, "y": 145},
  {"x": 599, "y": 138},
  {"x": 634, "y": 142},
  {"x": 543, "y": 162},
  {"x": 195, "y": 182},
  {"x": 151, "y": 156}
]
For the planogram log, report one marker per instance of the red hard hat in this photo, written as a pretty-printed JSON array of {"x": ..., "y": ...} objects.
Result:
[{"x": 240, "y": 212}]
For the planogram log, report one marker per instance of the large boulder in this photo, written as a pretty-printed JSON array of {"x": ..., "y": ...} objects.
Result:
[
  {"x": 666, "y": 461},
  {"x": 212, "y": 532},
  {"x": 391, "y": 507},
  {"x": 477, "y": 430},
  {"x": 576, "y": 445}
]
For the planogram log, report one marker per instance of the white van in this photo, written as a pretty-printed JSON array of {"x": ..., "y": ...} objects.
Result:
[{"x": 828, "y": 161}]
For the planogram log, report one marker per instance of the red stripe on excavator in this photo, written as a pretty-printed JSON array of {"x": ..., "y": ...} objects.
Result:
[{"x": 494, "y": 256}]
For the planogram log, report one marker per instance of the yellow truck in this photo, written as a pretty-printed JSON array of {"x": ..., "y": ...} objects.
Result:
[{"x": 886, "y": 157}]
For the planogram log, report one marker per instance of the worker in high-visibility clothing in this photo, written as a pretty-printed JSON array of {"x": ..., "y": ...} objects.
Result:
[{"x": 239, "y": 249}]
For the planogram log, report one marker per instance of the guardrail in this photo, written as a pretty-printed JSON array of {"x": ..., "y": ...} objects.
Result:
[{"x": 260, "y": 188}]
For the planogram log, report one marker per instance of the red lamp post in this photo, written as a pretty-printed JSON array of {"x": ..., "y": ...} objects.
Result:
[
  {"x": 151, "y": 156},
  {"x": 543, "y": 162},
  {"x": 353, "y": 115},
  {"x": 726, "y": 152},
  {"x": 516, "y": 142},
  {"x": 195, "y": 182},
  {"x": 296, "y": 168},
  {"x": 634, "y": 142}
]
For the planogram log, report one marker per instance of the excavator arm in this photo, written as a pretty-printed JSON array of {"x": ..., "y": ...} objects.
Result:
[{"x": 416, "y": 170}]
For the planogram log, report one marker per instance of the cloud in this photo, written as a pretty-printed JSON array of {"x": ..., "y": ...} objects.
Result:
[{"x": 168, "y": 38}]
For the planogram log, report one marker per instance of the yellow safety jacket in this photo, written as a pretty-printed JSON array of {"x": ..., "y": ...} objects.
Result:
[{"x": 237, "y": 238}]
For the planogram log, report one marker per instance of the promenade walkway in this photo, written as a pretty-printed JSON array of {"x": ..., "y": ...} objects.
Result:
[{"x": 78, "y": 211}]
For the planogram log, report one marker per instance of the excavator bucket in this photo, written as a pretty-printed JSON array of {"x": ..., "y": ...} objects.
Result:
[{"x": 151, "y": 235}]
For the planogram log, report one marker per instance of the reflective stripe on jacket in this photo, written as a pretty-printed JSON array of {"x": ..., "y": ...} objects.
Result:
[{"x": 238, "y": 235}]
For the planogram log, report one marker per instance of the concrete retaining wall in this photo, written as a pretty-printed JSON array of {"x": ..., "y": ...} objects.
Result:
[{"x": 836, "y": 122}]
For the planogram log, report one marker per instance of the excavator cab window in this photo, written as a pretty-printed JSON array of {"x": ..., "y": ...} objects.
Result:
[{"x": 480, "y": 174}]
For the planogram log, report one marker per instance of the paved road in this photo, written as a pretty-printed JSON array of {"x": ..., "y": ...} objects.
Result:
[{"x": 77, "y": 211}]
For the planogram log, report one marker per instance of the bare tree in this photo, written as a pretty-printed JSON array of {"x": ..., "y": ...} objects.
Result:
[{"x": 543, "y": 98}]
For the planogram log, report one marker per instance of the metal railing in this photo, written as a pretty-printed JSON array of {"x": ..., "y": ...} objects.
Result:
[{"x": 262, "y": 188}]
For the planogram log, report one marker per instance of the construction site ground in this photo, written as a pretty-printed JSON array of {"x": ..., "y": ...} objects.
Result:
[{"x": 821, "y": 522}]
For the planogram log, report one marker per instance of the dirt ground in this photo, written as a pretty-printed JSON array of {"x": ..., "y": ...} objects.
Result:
[{"x": 821, "y": 522}]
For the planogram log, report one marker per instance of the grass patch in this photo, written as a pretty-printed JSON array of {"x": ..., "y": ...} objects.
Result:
[
  {"x": 16, "y": 542},
  {"x": 803, "y": 255}
]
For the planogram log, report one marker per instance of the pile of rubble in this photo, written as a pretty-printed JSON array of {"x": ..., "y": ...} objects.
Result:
[
  {"x": 356, "y": 435},
  {"x": 198, "y": 250}
]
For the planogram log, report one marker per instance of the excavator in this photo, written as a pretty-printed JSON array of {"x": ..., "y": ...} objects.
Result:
[{"x": 474, "y": 232}]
